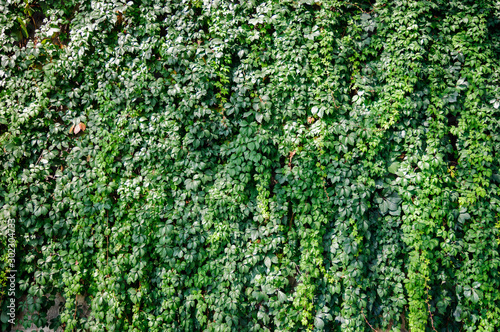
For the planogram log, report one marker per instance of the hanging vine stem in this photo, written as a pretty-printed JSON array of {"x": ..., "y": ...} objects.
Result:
[
  {"x": 365, "y": 12},
  {"x": 107, "y": 239},
  {"x": 324, "y": 188},
  {"x": 432, "y": 320},
  {"x": 76, "y": 306},
  {"x": 323, "y": 175},
  {"x": 40, "y": 158},
  {"x": 429, "y": 308},
  {"x": 366, "y": 320}
]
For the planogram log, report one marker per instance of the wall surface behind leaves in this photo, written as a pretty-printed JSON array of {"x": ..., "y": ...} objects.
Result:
[{"x": 255, "y": 165}]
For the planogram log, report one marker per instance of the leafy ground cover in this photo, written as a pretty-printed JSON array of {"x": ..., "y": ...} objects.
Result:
[{"x": 255, "y": 165}]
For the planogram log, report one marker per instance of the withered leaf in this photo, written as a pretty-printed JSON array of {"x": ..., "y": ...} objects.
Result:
[{"x": 81, "y": 126}]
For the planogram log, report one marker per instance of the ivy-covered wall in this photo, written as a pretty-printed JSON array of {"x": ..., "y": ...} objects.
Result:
[{"x": 252, "y": 165}]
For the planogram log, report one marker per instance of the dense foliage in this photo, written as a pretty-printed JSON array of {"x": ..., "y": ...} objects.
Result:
[{"x": 242, "y": 166}]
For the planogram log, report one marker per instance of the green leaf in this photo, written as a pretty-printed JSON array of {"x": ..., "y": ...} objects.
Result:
[
  {"x": 267, "y": 262},
  {"x": 4, "y": 318},
  {"x": 393, "y": 168},
  {"x": 281, "y": 296},
  {"x": 23, "y": 27},
  {"x": 463, "y": 217},
  {"x": 458, "y": 313},
  {"x": 318, "y": 323}
]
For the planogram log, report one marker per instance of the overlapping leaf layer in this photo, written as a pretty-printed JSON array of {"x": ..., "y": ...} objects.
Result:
[{"x": 244, "y": 166}]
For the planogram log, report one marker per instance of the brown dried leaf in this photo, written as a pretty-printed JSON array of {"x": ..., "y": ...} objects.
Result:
[
  {"x": 71, "y": 129},
  {"x": 119, "y": 18},
  {"x": 83, "y": 126}
]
